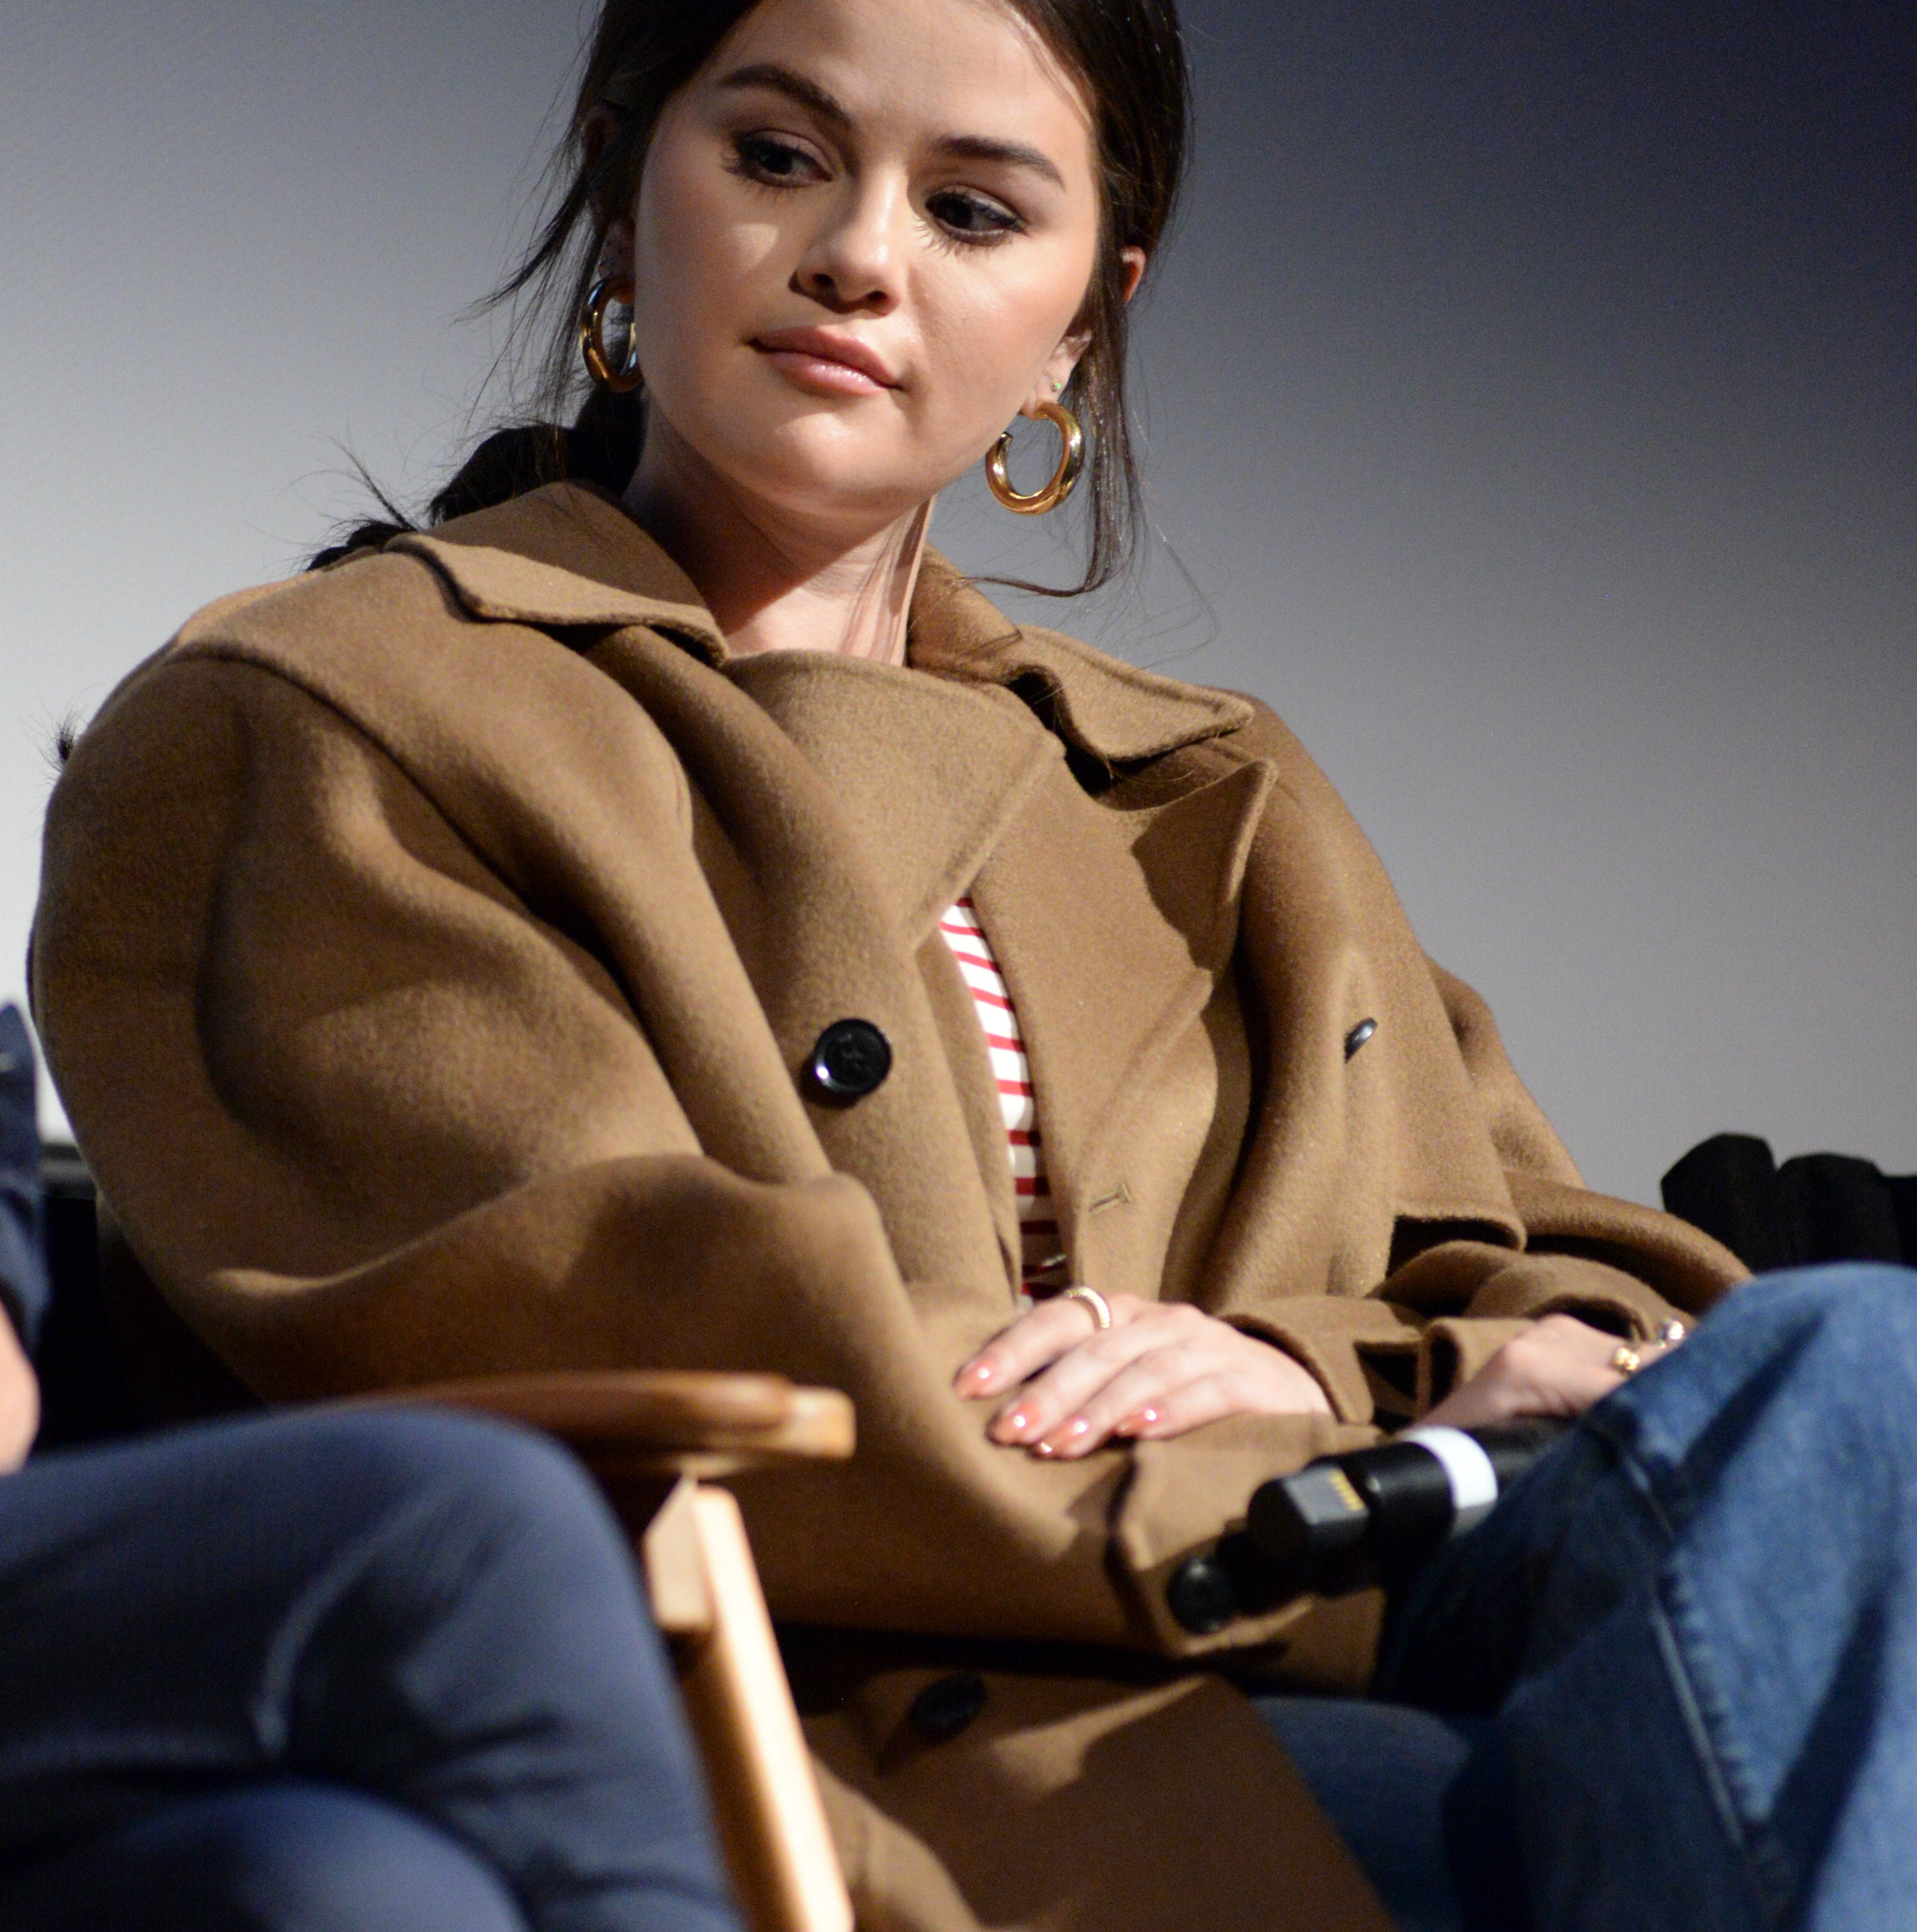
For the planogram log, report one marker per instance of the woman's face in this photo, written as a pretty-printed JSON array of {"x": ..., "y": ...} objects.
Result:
[{"x": 862, "y": 234}]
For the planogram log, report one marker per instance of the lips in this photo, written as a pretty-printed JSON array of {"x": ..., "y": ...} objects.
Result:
[{"x": 831, "y": 365}]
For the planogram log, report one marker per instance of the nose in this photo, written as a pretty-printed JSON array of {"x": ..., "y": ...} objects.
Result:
[{"x": 854, "y": 264}]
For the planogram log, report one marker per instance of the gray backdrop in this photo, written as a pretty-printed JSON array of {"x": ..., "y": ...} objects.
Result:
[{"x": 1530, "y": 410}]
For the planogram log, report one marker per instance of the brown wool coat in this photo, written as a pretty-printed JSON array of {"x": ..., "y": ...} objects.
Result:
[{"x": 428, "y": 954}]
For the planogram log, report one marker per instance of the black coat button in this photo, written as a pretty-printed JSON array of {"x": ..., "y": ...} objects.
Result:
[
  {"x": 1359, "y": 1035},
  {"x": 1202, "y": 1594},
  {"x": 943, "y": 1709},
  {"x": 850, "y": 1060}
]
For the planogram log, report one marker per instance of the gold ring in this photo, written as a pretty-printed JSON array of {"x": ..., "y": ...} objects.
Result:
[
  {"x": 1626, "y": 1360},
  {"x": 1672, "y": 1332},
  {"x": 1101, "y": 1309}
]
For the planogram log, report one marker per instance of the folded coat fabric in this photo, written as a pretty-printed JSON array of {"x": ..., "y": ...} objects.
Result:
[{"x": 430, "y": 953}]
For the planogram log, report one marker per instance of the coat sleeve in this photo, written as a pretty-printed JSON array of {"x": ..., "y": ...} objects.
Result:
[
  {"x": 1419, "y": 1232},
  {"x": 370, "y": 1117},
  {"x": 1453, "y": 1299}
]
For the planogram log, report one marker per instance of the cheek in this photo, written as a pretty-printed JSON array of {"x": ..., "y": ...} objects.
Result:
[
  {"x": 697, "y": 266},
  {"x": 989, "y": 335}
]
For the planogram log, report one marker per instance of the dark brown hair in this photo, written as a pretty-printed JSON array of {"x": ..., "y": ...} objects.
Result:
[{"x": 1129, "y": 55}]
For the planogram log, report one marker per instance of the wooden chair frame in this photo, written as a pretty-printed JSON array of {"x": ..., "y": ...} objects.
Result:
[{"x": 655, "y": 1440}]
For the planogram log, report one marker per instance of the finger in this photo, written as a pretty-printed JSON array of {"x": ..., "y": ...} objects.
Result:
[
  {"x": 1015, "y": 1354},
  {"x": 1646, "y": 1353},
  {"x": 1034, "y": 1411},
  {"x": 1561, "y": 1368},
  {"x": 1160, "y": 1382},
  {"x": 1194, "y": 1379},
  {"x": 1183, "y": 1347},
  {"x": 1056, "y": 1324},
  {"x": 1573, "y": 1392},
  {"x": 1498, "y": 1393},
  {"x": 1071, "y": 1381},
  {"x": 1210, "y": 1399},
  {"x": 1245, "y": 1391},
  {"x": 1567, "y": 1337},
  {"x": 1570, "y": 1339},
  {"x": 1623, "y": 1360},
  {"x": 1572, "y": 1387}
]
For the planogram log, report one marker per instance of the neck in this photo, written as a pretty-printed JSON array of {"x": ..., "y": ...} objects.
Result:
[{"x": 773, "y": 582}]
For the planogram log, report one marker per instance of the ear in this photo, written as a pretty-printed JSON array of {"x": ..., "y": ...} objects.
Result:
[
  {"x": 615, "y": 223},
  {"x": 1063, "y": 360}
]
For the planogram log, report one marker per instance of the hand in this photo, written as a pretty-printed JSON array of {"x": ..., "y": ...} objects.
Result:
[
  {"x": 1160, "y": 1369},
  {"x": 19, "y": 1400},
  {"x": 1558, "y": 1366}
]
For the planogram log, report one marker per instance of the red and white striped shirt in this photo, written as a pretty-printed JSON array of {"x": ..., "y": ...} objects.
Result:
[{"x": 1043, "y": 1264}]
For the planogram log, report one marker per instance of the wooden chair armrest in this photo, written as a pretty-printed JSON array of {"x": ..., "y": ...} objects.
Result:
[
  {"x": 647, "y": 1435},
  {"x": 625, "y": 1423}
]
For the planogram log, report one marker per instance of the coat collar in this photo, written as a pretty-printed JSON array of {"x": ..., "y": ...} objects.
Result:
[
  {"x": 567, "y": 556},
  {"x": 931, "y": 771},
  {"x": 1100, "y": 705}
]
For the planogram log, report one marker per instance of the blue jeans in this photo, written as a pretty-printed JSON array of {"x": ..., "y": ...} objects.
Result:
[
  {"x": 372, "y": 1673},
  {"x": 1676, "y": 1668}
]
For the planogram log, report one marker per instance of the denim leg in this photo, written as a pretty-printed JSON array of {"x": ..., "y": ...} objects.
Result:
[
  {"x": 427, "y": 1608},
  {"x": 1418, "y": 1800},
  {"x": 286, "y": 1857},
  {"x": 1698, "y": 1621}
]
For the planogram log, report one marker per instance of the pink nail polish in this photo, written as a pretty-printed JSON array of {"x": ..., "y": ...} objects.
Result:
[
  {"x": 1147, "y": 1418},
  {"x": 1044, "y": 1449},
  {"x": 1017, "y": 1422},
  {"x": 1075, "y": 1427}
]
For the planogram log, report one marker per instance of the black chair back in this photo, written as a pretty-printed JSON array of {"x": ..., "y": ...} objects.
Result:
[{"x": 1817, "y": 1208}]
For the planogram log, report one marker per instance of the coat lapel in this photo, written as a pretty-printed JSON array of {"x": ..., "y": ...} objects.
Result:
[
  {"x": 927, "y": 773},
  {"x": 842, "y": 805},
  {"x": 1112, "y": 898},
  {"x": 1105, "y": 980},
  {"x": 566, "y": 558}
]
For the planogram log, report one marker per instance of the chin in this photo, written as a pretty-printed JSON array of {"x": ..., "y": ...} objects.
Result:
[{"x": 830, "y": 468}]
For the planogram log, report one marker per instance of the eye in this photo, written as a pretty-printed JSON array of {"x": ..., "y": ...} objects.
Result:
[
  {"x": 972, "y": 217},
  {"x": 774, "y": 161}
]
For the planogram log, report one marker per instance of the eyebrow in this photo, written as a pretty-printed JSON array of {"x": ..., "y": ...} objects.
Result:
[
  {"x": 1014, "y": 154},
  {"x": 959, "y": 147},
  {"x": 793, "y": 86}
]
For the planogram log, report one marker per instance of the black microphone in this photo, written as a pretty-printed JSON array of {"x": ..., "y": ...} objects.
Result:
[{"x": 1344, "y": 1522}]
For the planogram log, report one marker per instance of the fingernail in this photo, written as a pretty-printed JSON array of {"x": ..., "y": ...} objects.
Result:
[
  {"x": 1043, "y": 1449},
  {"x": 975, "y": 1376},
  {"x": 1132, "y": 1424},
  {"x": 1013, "y": 1426},
  {"x": 1076, "y": 1426}
]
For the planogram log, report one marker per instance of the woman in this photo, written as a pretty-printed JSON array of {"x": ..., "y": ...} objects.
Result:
[{"x": 561, "y": 937}]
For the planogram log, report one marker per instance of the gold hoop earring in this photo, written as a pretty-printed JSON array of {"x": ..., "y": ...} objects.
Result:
[
  {"x": 608, "y": 290},
  {"x": 1064, "y": 478}
]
